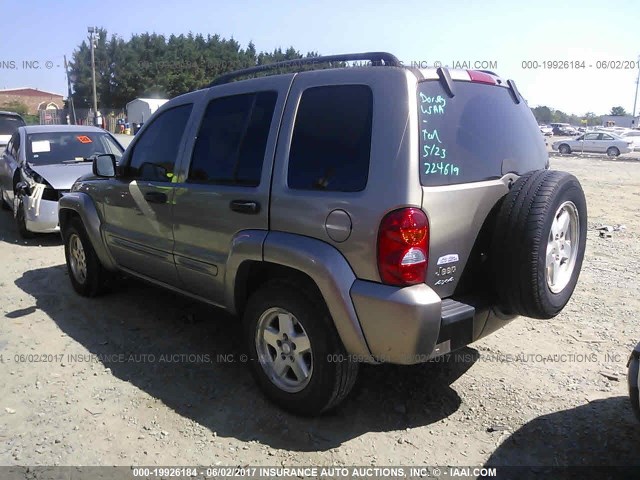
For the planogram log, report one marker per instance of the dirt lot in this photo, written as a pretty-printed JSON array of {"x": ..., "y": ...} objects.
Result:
[{"x": 137, "y": 376}]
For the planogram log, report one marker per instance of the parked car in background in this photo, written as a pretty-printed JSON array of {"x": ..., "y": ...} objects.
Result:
[
  {"x": 9, "y": 123},
  {"x": 563, "y": 129},
  {"x": 546, "y": 130},
  {"x": 634, "y": 136},
  {"x": 595, "y": 142},
  {"x": 40, "y": 164}
]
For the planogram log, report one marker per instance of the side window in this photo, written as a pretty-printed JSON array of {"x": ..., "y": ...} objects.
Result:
[
  {"x": 232, "y": 140},
  {"x": 9, "y": 147},
  {"x": 154, "y": 155},
  {"x": 15, "y": 145},
  {"x": 606, "y": 137},
  {"x": 592, "y": 136},
  {"x": 331, "y": 144}
]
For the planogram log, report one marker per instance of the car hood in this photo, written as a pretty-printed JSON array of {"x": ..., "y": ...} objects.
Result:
[{"x": 62, "y": 176}]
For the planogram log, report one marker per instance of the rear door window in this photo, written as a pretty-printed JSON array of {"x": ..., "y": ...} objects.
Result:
[
  {"x": 331, "y": 144},
  {"x": 479, "y": 134}
]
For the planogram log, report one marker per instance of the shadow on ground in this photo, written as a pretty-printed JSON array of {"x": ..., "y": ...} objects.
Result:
[
  {"x": 209, "y": 384},
  {"x": 602, "y": 433},
  {"x": 9, "y": 234}
]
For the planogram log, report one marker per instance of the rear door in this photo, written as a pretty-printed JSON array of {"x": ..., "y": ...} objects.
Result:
[
  {"x": 225, "y": 179},
  {"x": 593, "y": 143},
  {"x": 467, "y": 144}
]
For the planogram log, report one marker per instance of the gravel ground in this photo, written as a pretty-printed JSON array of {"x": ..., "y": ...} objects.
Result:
[{"x": 144, "y": 377}]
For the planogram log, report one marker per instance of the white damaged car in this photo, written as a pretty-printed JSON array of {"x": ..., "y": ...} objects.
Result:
[{"x": 41, "y": 163}]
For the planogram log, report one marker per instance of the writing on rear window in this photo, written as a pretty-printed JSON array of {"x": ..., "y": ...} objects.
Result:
[
  {"x": 432, "y": 146},
  {"x": 432, "y": 105},
  {"x": 441, "y": 168}
]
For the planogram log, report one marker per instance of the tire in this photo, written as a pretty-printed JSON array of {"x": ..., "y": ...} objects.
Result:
[
  {"x": 536, "y": 268},
  {"x": 77, "y": 247},
  {"x": 21, "y": 222},
  {"x": 613, "y": 152},
  {"x": 564, "y": 149},
  {"x": 331, "y": 374},
  {"x": 632, "y": 380},
  {"x": 3, "y": 204}
]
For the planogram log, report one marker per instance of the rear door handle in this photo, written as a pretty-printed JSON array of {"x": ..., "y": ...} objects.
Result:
[
  {"x": 155, "y": 197},
  {"x": 244, "y": 206}
]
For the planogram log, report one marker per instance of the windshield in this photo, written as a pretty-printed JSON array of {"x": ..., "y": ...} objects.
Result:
[
  {"x": 479, "y": 134},
  {"x": 60, "y": 147},
  {"x": 9, "y": 124}
]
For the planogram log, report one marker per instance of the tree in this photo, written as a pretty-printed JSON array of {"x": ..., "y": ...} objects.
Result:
[
  {"x": 618, "y": 111},
  {"x": 542, "y": 114},
  {"x": 15, "y": 106}
]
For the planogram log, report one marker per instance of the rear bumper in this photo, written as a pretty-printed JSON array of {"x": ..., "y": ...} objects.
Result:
[{"x": 412, "y": 324}]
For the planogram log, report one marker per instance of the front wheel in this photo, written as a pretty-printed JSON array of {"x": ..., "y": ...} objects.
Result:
[
  {"x": 3, "y": 204},
  {"x": 613, "y": 152},
  {"x": 296, "y": 355},
  {"x": 564, "y": 149},
  {"x": 87, "y": 274},
  {"x": 21, "y": 221}
]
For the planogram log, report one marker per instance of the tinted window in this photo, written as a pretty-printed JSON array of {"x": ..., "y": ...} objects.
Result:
[
  {"x": 479, "y": 134},
  {"x": 68, "y": 147},
  {"x": 331, "y": 143},
  {"x": 154, "y": 154},
  {"x": 232, "y": 140},
  {"x": 10, "y": 123}
]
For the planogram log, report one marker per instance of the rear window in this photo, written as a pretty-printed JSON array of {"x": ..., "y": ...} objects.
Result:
[
  {"x": 479, "y": 134},
  {"x": 10, "y": 123}
]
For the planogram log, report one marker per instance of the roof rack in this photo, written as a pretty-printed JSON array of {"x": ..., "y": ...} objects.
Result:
[{"x": 379, "y": 58}]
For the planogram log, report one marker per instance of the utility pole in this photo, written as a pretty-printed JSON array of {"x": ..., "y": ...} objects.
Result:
[
  {"x": 91, "y": 31},
  {"x": 635, "y": 98},
  {"x": 72, "y": 108}
]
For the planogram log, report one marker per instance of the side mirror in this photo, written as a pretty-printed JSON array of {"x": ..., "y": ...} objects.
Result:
[{"x": 104, "y": 165}]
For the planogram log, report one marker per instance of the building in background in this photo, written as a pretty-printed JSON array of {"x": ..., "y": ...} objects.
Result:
[
  {"x": 140, "y": 109},
  {"x": 35, "y": 100},
  {"x": 626, "y": 121}
]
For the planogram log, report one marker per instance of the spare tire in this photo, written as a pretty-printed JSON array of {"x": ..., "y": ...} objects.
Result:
[{"x": 538, "y": 243}]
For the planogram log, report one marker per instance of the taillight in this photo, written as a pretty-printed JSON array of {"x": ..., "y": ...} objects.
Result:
[
  {"x": 403, "y": 244},
  {"x": 481, "y": 77}
]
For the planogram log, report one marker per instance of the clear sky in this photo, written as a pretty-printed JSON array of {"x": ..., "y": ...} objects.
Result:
[{"x": 505, "y": 32}]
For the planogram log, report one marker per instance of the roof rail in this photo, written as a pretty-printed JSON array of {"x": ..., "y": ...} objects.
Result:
[{"x": 388, "y": 59}]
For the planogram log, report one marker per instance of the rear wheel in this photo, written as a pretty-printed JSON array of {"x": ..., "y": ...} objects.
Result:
[
  {"x": 21, "y": 221},
  {"x": 87, "y": 274},
  {"x": 613, "y": 152},
  {"x": 295, "y": 353},
  {"x": 564, "y": 149},
  {"x": 539, "y": 243}
]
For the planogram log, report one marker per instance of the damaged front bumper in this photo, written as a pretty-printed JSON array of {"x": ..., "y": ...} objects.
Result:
[{"x": 40, "y": 209}]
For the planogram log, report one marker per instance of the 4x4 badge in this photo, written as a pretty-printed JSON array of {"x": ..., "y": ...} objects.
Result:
[{"x": 450, "y": 258}]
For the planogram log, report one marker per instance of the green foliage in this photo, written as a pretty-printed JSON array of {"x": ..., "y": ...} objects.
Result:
[
  {"x": 618, "y": 111},
  {"x": 15, "y": 106},
  {"x": 152, "y": 65},
  {"x": 548, "y": 115}
]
